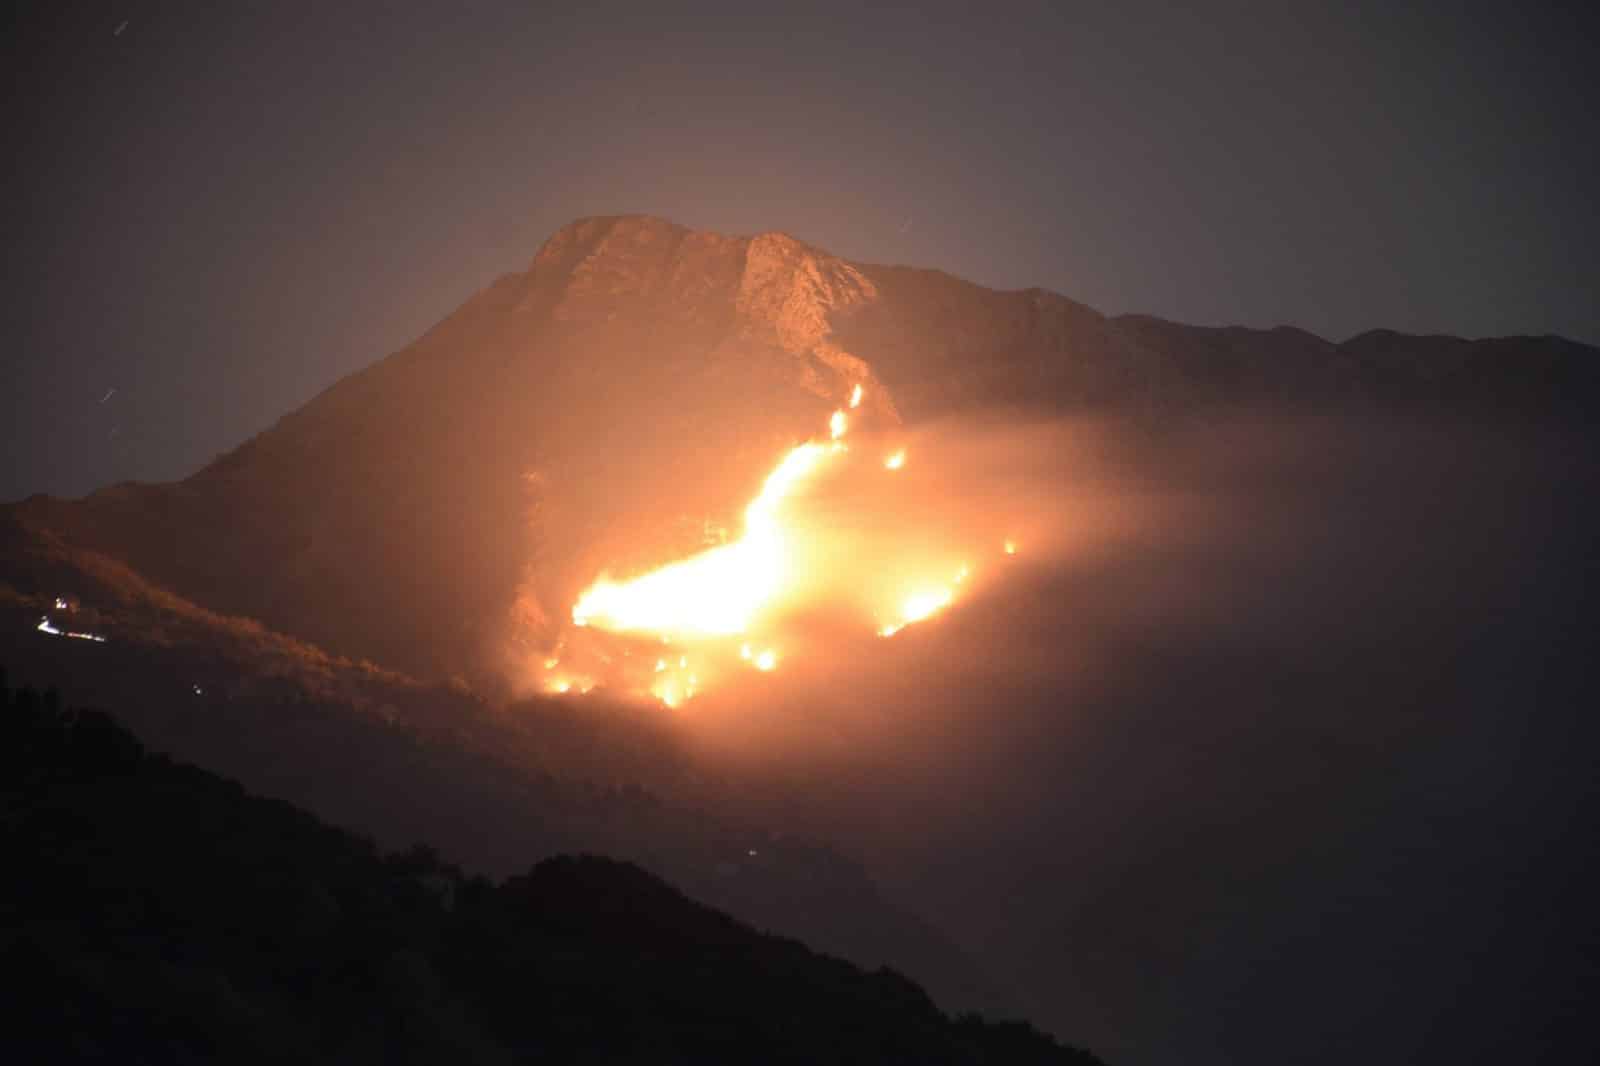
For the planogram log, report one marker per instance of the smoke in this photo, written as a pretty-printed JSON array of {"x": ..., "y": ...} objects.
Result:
[
  {"x": 1068, "y": 532},
  {"x": 1253, "y": 699},
  {"x": 1248, "y": 687}
]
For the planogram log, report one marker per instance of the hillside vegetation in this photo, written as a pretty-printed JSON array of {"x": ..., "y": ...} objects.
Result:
[{"x": 159, "y": 913}]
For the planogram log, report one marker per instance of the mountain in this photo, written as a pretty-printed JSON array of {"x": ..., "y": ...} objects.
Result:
[
  {"x": 160, "y": 913},
  {"x": 636, "y": 374},
  {"x": 326, "y": 614},
  {"x": 436, "y": 512}
]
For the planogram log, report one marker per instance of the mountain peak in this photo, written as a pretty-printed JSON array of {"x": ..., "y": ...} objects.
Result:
[
  {"x": 770, "y": 291},
  {"x": 781, "y": 289},
  {"x": 637, "y": 381},
  {"x": 583, "y": 236}
]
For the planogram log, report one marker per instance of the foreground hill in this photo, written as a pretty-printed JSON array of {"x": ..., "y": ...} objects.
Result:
[
  {"x": 491, "y": 788},
  {"x": 437, "y": 512},
  {"x": 163, "y": 914}
]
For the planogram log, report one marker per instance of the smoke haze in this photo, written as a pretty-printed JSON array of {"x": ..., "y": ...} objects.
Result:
[{"x": 1310, "y": 688}]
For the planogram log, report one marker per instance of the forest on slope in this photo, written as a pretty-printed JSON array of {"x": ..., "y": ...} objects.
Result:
[{"x": 159, "y": 913}]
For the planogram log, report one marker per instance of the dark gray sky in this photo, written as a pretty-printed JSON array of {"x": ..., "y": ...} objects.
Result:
[{"x": 218, "y": 213}]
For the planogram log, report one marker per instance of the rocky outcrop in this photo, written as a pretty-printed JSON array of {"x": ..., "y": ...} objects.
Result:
[{"x": 769, "y": 293}]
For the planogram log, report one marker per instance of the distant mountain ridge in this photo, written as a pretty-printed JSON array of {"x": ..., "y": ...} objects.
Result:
[{"x": 437, "y": 511}]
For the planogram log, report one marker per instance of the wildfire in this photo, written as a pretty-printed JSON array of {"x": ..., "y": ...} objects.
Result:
[
  {"x": 727, "y": 605},
  {"x": 47, "y": 626},
  {"x": 923, "y": 604},
  {"x": 716, "y": 593},
  {"x": 561, "y": 685}
]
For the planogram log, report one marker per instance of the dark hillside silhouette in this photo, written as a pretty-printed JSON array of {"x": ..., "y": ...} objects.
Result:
[{"x": 156, "y": 912}]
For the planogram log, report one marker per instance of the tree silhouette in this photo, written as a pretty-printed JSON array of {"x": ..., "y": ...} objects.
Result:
[{"x": 165, "y": 915}]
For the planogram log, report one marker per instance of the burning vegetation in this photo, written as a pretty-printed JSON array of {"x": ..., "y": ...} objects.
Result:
[{"x": 834, "y": 533}]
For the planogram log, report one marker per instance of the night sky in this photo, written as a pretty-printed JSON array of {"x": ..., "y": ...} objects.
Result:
[{"x": 214, "y": 214}]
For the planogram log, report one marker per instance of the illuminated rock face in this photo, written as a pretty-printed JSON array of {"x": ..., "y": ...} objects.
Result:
[
  {"x": 626, "y": 392},
  {"x": 769, "y": 299},
  {"x": 631, "y": 389}
]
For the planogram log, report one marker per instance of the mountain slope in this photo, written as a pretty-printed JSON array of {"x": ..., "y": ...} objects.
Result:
[
  {"x": 437, "y": 511},
  {"x": 492, "y": 788}
]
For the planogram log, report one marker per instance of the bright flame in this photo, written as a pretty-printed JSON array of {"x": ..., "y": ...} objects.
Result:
[
  {"x": 715, "y": 593},
  {"x": 1011, "y": 547},
  {"x": 920, "y": 605},
  {"x": 924, "y": 603},
  {"x": 560, "y": 686},
  {"x": 46, "y": 626},
  {"x": 736, "y": 596}
]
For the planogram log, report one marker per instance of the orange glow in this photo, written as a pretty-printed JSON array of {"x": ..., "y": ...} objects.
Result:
[
  {"x": 718, "y": 592},
  {"x": 669, "y": 692},
  {"x": 860, "y": 556},
  {"x": 925, "y": 602},
  {"x": 922, "y": 604}
]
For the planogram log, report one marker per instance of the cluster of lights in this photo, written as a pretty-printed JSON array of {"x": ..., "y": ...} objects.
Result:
[{"x": 47, "y": 626}]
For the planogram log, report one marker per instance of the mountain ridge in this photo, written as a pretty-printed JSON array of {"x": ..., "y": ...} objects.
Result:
[
  {"x": 432, "y": 515},
  {"x": 437, "y": 511}
]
